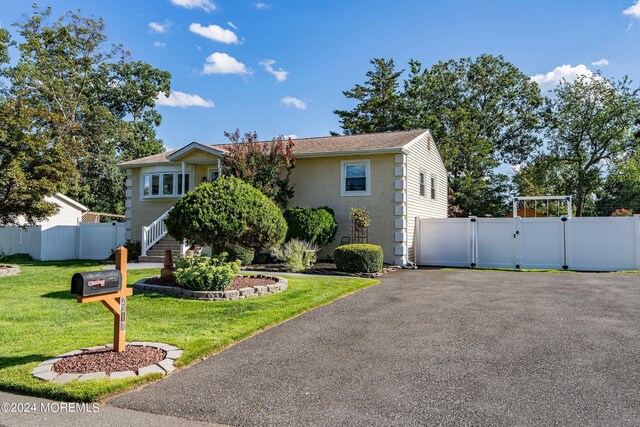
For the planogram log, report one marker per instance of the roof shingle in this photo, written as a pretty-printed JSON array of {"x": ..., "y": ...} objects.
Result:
[{"x": 371, "y": 142}]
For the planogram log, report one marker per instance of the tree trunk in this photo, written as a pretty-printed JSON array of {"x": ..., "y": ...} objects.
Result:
[{"x": 580, "y": 196}]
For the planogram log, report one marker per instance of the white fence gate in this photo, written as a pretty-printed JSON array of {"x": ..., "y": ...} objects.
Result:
[
  {"x": 595, "y": 244},
  {"x": 63, "y": 242}
]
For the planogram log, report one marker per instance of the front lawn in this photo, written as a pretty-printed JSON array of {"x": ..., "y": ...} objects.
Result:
[{"x": 40, "y": 319}]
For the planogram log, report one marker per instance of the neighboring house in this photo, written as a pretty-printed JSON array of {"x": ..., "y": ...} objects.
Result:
[
  {"x": 69, "y": 213},
  {"x": 396, "y": 176}
]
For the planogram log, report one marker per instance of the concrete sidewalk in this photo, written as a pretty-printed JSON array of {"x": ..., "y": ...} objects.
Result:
[{"x": 44, "y": 412}]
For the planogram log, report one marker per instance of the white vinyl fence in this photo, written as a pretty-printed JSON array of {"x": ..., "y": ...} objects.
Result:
[
  {"x": 592, "y": 244},
  {"x": 62, "y": 242}
]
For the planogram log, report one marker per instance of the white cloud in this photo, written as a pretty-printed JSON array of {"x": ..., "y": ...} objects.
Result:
[
  {"x": 633, "y": 11},
  {"x": 600, "y": 62},
  {"x": 181, "y": 99},
  {"x": 261, "y": 6},
  {"x": 291, "y": 101},
  {"x": 215, "y": 33},
  {"x": 205, "y": 5},
  {"x": 292, "y": 136},
  {"x": 157, "y": 27},
  {"x": 279, "y": 74},
  {"x": 222, "y": 63},
  {"x": 229, "y": 23},
  {"x": 564, "y": 72},
  {"x": 159, "y": 44}
]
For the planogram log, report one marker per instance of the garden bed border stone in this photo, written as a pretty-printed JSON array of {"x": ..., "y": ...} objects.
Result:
[
  {"x": 230, "y": 295},
  {"x": 9, "y": 270},
  {"x": 44, "y": 371}
]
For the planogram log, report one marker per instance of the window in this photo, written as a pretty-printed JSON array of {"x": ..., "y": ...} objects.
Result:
[
  {"x": 355, "y": 177},
  {"x": 163, "y": 184},
  {"x": 433, "y": 187},
  {"x": 213, "y": 174},
  {"x": 167, "y": 184},
  {"x": 423, "y": 184}
]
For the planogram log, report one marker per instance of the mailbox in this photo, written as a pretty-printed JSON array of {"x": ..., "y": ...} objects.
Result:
[{"x": 96, "y": 283}]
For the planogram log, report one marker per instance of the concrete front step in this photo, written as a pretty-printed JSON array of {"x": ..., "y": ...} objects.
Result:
[
  {"x": 151, "y": 258},
  {"x": 164, "y": 246},
  {"x": 160, "y": 252}
]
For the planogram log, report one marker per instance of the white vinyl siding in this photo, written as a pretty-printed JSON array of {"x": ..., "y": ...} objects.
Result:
[{"x": 423, "y": 157}]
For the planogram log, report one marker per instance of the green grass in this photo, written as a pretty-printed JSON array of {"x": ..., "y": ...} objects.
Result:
[{"x": 40, "y": 319}]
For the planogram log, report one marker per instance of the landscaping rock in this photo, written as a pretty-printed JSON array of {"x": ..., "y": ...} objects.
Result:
[
  {"x": 151, "y": 369},
  {"x": 174, "y": 354},
  {"x": 92, "y": 376},
  {"x": 46, "y": 376},
  {"x": 65, "y": 378},
  {"x": 121, "y": 374},
  {"x": 167, "y": 365}
]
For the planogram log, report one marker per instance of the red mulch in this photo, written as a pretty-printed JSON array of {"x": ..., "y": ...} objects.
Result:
[
  {"x": 238, "y": 282},
  {"x": 106, "y": 360}
]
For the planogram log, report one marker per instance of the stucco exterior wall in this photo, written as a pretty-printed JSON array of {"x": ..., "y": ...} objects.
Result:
[
  {"x": 317, "y": 183},
  {"x": 423, "y": 156}
]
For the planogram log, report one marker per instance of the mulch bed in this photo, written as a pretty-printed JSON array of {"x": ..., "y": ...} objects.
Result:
[
  {"x": 106, "y": 360},
  {"x": 238, "y": 282}
]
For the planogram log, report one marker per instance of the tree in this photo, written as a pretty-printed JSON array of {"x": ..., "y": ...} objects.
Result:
[
  {"x": 265, "y": 165},
  {"x": 591, "y": 122},
  {"x": 102, "y": 104},
  {"x": 482, "y": 113},
  {"x": 379, "y": 102},
  {"x": 621, "y": 189},
  {"x": 31, "y": 167},
  {"x": 228, "y": 210}
]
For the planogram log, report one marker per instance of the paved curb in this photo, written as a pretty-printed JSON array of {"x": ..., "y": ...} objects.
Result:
[
  {"x": 253, "y": 291},
  {"x": 44, "y": 371}
]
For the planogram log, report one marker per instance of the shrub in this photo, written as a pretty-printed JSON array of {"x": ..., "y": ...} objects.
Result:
[
  {"x": 205, "y": 273},
  {"x": 359, "y": 258},
  {"x": 317, "y": 226},
  {"x": 226, "y": 210},
  {"x": 297, "y": 255},
  {"x": 20, "y": 257},
  {"x": 235, "y": 252}
]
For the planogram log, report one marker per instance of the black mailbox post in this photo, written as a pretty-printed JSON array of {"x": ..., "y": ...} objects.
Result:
[{"x": 96, "y": 283}]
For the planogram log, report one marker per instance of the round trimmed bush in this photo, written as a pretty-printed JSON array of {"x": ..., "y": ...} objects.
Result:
[
  {"x": 313, "y": 225},
  {"x": 359, "y": 258},
  {"x": 236, "y": 252},
  {"x": 227, "y": 210}
]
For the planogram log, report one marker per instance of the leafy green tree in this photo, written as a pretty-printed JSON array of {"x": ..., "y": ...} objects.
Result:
[
  {"x": 103, "y": 104},
  {"x": 482, "y": 113},
  {"x": 379, "y": 101},
  {"x": 228, "y": 210},
  {"x": 265, "y": 165},
  {"x": 31, "y": 167},
  {"x": 621, "y": 189},
  {"x": 591, "y": 122}
]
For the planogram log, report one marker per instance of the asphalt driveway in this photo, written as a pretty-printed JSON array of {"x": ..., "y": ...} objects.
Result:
[{"x": 430, "y": 347}]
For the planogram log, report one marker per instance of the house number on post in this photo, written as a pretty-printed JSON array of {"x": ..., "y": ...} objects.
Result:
[{"x": 110, "y": 288}]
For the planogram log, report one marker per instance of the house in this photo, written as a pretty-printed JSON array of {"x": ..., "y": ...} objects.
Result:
[
  {"x": 69, "y": 211},
  {"x": 396, "y": 176}
]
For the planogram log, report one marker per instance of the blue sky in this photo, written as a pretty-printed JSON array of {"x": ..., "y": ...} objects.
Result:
[{"x": 321, "y": 48}]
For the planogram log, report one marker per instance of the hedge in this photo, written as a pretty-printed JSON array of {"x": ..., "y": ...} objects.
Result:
[
  {"x": 313, "y": 225},
  {"x": 236, "y": 252},
  {"x": 359, "y": 258}
]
